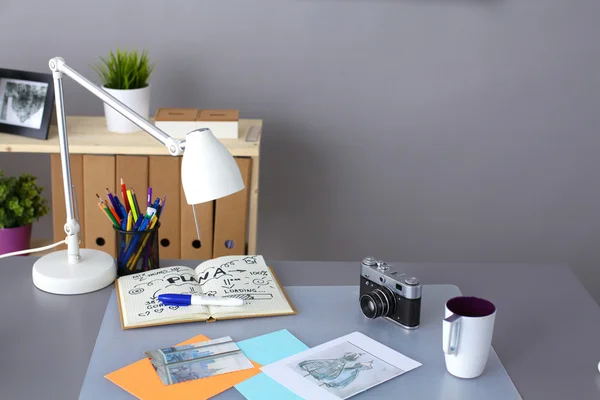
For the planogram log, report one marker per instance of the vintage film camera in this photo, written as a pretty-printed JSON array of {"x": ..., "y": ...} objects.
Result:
[{"x": 389, "y": 294}]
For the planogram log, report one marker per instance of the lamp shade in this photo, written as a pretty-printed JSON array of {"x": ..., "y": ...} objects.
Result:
[{"x": 208, "y": 170}]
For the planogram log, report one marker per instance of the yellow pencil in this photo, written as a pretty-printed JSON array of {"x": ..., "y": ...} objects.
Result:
[
  {"x": 130, "y": 197},
  {"x": 129, "y": 225},
  {"x": 129, "y": 221},
  {"x": 131, "y": 263}
]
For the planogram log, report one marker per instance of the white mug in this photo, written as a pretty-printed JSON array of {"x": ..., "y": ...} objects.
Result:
[{"x": 467, "y": 335}]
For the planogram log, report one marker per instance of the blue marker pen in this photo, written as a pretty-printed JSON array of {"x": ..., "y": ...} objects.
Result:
[
  {"x": 173, "y": 299},
  {"x": 143, "y": 222}
]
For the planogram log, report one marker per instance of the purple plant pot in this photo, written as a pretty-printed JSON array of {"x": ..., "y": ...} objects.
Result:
[{"x": 15, "y": 239}]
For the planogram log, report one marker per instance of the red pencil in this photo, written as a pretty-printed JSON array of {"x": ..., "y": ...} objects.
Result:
[{"x": 124, "y": 193}]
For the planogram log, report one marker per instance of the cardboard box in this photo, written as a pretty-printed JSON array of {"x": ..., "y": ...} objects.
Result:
[
  {"x": 224, "y": 124},
  {"x": 231, "y": 216},
  {"x": 178, "y": 122}
]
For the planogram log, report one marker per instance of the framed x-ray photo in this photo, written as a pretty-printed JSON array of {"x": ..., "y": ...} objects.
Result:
[{"x": 26, "y": 103}]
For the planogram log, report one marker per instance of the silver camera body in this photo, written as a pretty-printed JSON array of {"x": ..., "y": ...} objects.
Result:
[{"x": 390, "y": 294}]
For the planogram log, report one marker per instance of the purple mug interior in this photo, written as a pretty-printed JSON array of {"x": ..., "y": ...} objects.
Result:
[{"x": 467, "y": 306}]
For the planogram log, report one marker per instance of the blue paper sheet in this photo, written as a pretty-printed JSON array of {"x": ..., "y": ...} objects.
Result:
[{"x": 264, "y": 350}]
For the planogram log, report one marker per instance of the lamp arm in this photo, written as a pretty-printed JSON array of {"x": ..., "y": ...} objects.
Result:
[
  {"x": 174, "y": 146},
  {"x": 58, "y": 67},
  {"x": 71, "y": 227},
  {"x": 209, "y": 172}
]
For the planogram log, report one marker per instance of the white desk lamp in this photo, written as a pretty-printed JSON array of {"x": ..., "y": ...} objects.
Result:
[{"x": 208, "y": 172}]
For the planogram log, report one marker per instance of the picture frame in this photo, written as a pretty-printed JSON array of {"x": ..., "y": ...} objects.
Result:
[{"x": 26, "y": 103}]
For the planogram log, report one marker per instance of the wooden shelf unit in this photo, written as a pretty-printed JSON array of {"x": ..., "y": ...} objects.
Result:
[{"x": 88, "y": 136}]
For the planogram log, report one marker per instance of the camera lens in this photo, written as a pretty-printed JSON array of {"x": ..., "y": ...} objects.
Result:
[{"x": 379, "y": 302}]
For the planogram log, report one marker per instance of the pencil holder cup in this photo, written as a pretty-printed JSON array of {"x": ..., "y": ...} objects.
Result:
[{"x": 137, "y": 251}]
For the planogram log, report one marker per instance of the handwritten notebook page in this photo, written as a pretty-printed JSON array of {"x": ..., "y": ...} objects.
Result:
[
  {"x": 245, "y": 277},
  {"x": 138, "y": 297}
]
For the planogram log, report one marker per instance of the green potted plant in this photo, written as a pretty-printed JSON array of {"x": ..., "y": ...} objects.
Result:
[
  {"x": 126, "y": 76},
  {"x": 21, "y": 203}
]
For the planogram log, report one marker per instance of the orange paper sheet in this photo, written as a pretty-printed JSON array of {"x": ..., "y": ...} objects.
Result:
[{"x": 141, "y": 380}]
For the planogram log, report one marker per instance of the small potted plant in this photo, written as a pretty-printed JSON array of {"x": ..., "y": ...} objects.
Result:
[
  {"x": 21, "y": 204},
  {"x": 125, "y": 75}
]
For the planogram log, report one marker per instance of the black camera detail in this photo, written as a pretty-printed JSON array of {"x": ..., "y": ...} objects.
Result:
[{"x": 389, "y": 294}]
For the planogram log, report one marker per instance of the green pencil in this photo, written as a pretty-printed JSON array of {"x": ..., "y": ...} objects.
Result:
[{"x": 106, "y": 211}]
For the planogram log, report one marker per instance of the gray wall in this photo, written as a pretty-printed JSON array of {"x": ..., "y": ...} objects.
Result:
[{"x": 417, "y": 130}]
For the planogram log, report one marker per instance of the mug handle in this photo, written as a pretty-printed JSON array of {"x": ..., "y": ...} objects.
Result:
[{"x": 450, "y": 344}]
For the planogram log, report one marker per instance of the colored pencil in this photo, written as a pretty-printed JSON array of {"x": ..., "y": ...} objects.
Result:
[
  {"x": 132, "y": 206},
  {"x": 115, "y": 213},
  {"x": 161, "y": 206},
  {"x": 141, "y": 218},
  {"x": 136, "y": 204},
  {"x": 143, "y": 223},
  {"x": 119, "y": 207},
  {"x": 123, "y": 239},
  {"x": 122, "y": 210},
  {"x": 129, "y": 221},
  {"x": 101, "y": 207},
  {"x": 111, "y": 209},
  {"x": 124, "y": 193},
  {"x": 111, "y": 215},
  {"x": 106, "y": 211},
  {"x": 156, "y": 204},
  {"x": 136, "y": 226},
  {"x": 131, "y": 263},
  {"x": 128, "y": 224},
  {"x": 111, "y": 198}
]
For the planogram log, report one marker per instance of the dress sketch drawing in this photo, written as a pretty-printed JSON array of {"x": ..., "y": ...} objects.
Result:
[
  {"x": 335, "y": 372},
  {"x": 344, "y": 370}
]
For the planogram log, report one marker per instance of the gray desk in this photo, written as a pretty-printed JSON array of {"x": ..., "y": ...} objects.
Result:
[
  {"x": 547, "y": 329},
  {"x": 116, "y": 348}
]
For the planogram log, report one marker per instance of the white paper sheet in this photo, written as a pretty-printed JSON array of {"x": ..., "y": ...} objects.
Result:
[{"x": 339, "y": 369}]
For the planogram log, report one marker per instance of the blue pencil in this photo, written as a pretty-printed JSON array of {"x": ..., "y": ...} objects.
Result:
[
  {"x": 122, "y": 210},
  {"x": 138, "y": 223},
  {"x": 119, "y": 208},
  {"x": 112, "y": 201}
]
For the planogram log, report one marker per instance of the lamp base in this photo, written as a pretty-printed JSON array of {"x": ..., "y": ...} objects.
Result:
[{"x": 52, "y": 273}]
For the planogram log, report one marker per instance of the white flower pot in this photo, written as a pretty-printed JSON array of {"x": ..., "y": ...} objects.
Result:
[{"x": 136, "y": 99}]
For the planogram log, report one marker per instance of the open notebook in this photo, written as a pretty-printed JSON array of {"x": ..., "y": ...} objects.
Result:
[{"x": 245, "y": 277}]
